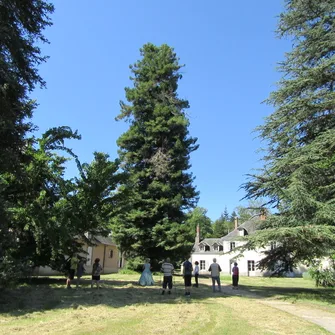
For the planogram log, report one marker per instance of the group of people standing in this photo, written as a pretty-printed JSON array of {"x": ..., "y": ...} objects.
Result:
[
  {"x": 167, "y": 269},
  {"x": 77, "y": 268}
]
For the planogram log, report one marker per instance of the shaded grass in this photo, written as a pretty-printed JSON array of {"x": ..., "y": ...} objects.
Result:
[
  {"x": 123, "y": 307},
  {"x": 288, "y": 289}
]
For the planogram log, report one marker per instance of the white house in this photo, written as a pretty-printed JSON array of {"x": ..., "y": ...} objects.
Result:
[{"x": 223, "y": 250}]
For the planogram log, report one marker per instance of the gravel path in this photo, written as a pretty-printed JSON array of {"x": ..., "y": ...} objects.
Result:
[{"x": 315, "y": 315}]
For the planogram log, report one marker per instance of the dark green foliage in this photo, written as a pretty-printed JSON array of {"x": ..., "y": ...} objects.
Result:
[
  {"x": 225, "y": 214},
  {"x": 154, "y": 155},
  {"x": 298, "y": 176},
  {"x": 42, "y": 215},
  {"x": 48, "y": 215},
  {"x": 21, "y": 26},
  {"x": 252, "y": 210},
  {"x": 198, "y": 217},
  {"x": 232, "y": 217},
  {"x": 223, "y": 226},
  {"x": 324, "y": 276}
]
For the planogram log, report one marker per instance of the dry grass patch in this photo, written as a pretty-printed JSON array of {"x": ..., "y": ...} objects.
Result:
[{"x": 122, "y": 307}]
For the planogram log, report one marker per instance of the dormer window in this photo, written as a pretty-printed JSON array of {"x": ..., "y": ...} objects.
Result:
[
  {"x": 232, "y": 245},
  {"x": 207, "y": 248},
  {"x": 220, "y": 247},
  {"x": 242, "y": 232},
  {"x": 215, "y": 247},
  {"x": 201, "y": 247}
]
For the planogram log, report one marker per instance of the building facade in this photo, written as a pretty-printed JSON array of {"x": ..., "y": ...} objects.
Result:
[
  {"x": 223, "y": 250},
  {"x": 111, "y": 259}
]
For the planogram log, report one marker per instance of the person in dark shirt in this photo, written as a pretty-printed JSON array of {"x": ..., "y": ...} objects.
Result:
[
  {"x": 187, "y": 273},
  {"x": 235, "y": 276}
]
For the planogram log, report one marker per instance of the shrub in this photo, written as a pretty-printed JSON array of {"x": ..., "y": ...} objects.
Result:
[
  {"x": 11, "y": 270},
  {"x": 323, "y": 277},
  {"x": 127, "y": 272}
]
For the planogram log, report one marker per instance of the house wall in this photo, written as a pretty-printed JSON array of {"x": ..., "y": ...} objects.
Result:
[
  {"x": 109, "y": 264},
  {"x": 45, "y": 271},
  {"x": 226, "y": 259}
]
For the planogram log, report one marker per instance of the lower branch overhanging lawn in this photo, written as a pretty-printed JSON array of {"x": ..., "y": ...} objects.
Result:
[{"x": 43, "y": 305}]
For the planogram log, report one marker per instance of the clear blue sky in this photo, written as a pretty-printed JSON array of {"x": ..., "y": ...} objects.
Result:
[{"x": 230, "y": 51}]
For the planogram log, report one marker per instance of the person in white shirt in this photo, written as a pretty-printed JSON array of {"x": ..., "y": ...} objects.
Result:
[
  {"x": 167, "y": 269},
  {"x": 215, "y": 270},
  {"x": 196, "y": 273}
]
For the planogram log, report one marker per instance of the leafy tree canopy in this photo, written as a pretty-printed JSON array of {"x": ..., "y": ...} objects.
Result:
[{"x": 198, "y": 217}]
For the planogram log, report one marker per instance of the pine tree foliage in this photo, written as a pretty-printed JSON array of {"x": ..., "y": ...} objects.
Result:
[
  {"x": 298, "y": 176},
  {"x": 43, "y": 215},
  {"x": 21, "y": 27},
  {"x": 154, "y": 154}
]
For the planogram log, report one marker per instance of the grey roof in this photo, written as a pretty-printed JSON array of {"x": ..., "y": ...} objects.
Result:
[
  {"x": 249, "y": 226},
  {"x": 104, "y": 240},
  {"x": 211, "y": 241}
]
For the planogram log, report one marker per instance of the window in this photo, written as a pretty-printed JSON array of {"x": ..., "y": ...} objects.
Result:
[
  {"x": 207, "y": 248},
  {"x": 251, "y": 265},
  {"x": 110, "y": 253},
  {"x": 215, "y": 247},
  {"x": 201, "y": 247},
  {"x": 232, "y": 245},
  {"x": 202, "y": 265},
  {"x": 273, "y": 245},
  {"x": 220, "y": 247}
]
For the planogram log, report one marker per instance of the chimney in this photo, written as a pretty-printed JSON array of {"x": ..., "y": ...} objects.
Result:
[
  {"x": 236, "y": 222},
  {"x": 262, "y": 215},
  {"x": 197, "y": 237}
]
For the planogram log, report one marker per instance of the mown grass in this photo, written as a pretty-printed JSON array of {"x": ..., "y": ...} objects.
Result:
[
  {"x": 289, "y": 289},
  {"x": 122, "y": 307}
]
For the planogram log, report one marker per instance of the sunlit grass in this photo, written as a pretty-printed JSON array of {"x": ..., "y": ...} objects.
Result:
[{"x": 123, "y": 307}]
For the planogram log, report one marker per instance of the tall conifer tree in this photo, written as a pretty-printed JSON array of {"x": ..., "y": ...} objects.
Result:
[
  {"x": 154, "y": 154},
  {"x": 299, "y": 172}
]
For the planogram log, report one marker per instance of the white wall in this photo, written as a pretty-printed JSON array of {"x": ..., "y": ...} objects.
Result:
[{"x": 225, "y": 260}]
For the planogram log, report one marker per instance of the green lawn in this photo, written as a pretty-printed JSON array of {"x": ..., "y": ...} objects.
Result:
[
  {"x": 288, "y": 289},
  {"x": 122, "y": 307}
]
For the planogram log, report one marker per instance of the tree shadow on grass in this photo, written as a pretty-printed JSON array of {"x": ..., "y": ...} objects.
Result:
[{"x": 43, "y": 294}]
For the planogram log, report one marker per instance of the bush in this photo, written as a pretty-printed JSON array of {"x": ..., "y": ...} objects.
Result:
[
  {"x": 135, "y": 264},
  {"x": 323, "y": 277},
  {"x": 12, "y": 270},
  {"x": 307, "y": 275},
  {"x": 127, "y": 272}
]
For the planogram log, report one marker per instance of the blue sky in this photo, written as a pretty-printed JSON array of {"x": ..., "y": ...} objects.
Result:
[{"x": 230, "y": 51}]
